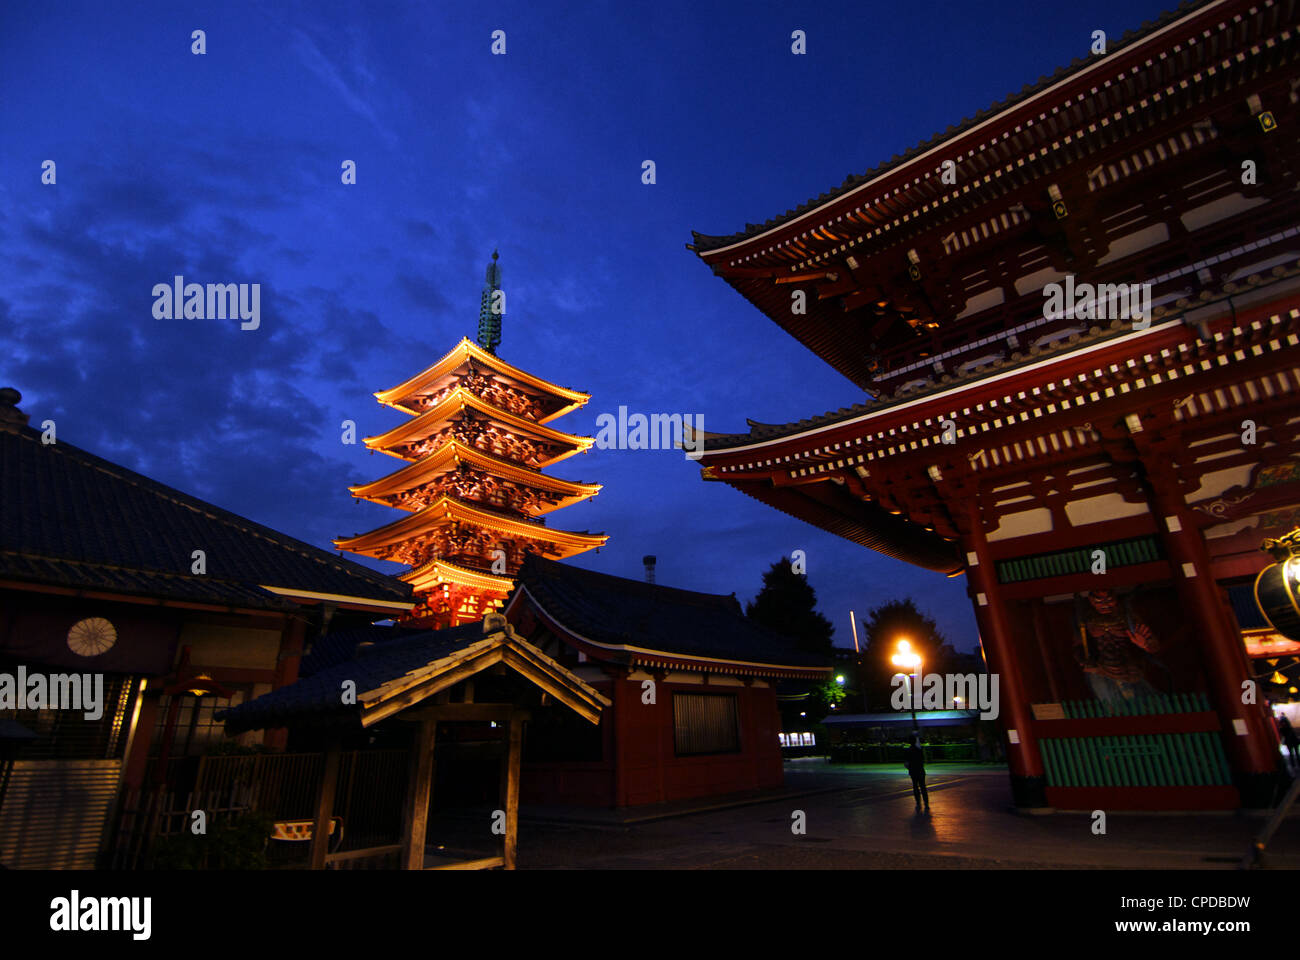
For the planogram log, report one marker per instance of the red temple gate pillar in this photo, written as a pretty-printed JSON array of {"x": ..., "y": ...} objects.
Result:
[
  {"x": 292, "y": 641},
  {"x": 1249, "y": 736},
  {"x": 1028, "y": 778}
]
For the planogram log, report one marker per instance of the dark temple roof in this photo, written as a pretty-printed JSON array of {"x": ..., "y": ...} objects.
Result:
[
  {"x": 375, "y": 656},
  {"x": 69, "y": 518},
  {"x": 616, "y": 611},
  {"x": 341, "y": 646},
  {"x": 706, "y": 242}
]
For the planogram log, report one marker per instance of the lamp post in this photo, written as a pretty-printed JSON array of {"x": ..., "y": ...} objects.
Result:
[{"x": 905, "y": 657}]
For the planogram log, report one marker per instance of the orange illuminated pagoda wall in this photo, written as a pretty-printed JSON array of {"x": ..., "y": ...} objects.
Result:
[{"x": 472, "y": 489}]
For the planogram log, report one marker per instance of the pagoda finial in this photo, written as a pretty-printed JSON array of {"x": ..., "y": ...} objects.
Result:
[{"x": 491, "y": 307}]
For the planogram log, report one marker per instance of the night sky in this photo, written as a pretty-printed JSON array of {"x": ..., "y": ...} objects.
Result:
[{"x": 226, "y": 168}]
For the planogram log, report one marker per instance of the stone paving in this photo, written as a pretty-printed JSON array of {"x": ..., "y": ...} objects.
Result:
[{"x": 863, "y": 817}]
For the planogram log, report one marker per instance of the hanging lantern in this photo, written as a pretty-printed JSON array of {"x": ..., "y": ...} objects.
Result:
[{"x": 1277, "y": 588}]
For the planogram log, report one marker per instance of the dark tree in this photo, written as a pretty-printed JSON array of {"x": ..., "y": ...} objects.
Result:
[
  {"x": 884, "y": 627},
  {"x": 787, "y": 605}
]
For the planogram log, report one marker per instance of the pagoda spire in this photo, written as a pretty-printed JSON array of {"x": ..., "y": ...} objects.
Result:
[{"x": 491, "y": 311}]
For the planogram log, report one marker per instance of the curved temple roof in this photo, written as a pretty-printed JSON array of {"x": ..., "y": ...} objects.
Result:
[
  {"x": 457, "y": 402},
  {"x": 446, "y": 508},
  {"x": 705, "y": 243},
  {"x": 450, "y": 455},
  {"x": 466, "y": 352}
]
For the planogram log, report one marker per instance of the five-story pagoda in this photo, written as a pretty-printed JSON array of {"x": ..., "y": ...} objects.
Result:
[{"x": 473, "y": 491}]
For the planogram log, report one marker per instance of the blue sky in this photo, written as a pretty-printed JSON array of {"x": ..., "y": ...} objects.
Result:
[{"x": 226, "y": 168}]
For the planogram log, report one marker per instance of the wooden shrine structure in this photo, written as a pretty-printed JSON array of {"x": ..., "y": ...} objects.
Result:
[
  {"x": 475, "y": 673},
  {"x": 473, "y": 490},
  {"x": 1102, "y": 478}
]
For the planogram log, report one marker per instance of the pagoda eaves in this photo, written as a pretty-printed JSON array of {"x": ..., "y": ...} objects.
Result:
[
  {"x": 446, "y": 509},
  {"x": 449, "y": 458},
  {"x": 558, "y": 445},
  {"x": 473, "y": 491},
  {"x": 429, "y": 381}
]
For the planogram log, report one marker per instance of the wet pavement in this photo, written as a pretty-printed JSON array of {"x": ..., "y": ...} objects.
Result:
[{"x": 864, "y": 817}]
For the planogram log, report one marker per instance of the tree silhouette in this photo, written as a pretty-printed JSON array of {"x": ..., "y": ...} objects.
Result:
[
  {"x": 787, "y": 605},
  {"x": 884, "y": 627}
]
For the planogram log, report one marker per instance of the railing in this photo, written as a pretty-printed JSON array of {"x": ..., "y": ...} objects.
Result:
[
  {"x": 897, "y": 752},
  {"x": 147, "y": 816},
  {"x": 368, "y": 798},
  {"x": 1152, "y": 760}
]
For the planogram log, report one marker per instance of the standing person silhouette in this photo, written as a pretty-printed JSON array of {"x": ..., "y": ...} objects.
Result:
[
  {"x": 916, "y": 769},
  {"x": 1291, "y": 741}
]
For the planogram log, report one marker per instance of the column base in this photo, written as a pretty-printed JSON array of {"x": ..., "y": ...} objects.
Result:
[
  {"x": 1029, "y": 791},
  {"x": 1261, "y": 790}
]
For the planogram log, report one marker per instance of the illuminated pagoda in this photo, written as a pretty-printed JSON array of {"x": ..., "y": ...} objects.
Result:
[
  {"x": 473, "y": 489},
  {"x": 1102, "y": 478}
]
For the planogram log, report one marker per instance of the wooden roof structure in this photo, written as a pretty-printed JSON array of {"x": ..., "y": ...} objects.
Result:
[
  {"x": 1119, "y": 167},
  {"x": 74, "y": 523},
  {"x": 412, "y": 676},
  {"x": 387, "y": 490},
  {"x": 652, "y": 626},
  {"x": 447, "y": 510},
  {"x": 412, "y": 395},
  {"x": 1170, "y": 163},
  {"x": 461, "y": 404}
]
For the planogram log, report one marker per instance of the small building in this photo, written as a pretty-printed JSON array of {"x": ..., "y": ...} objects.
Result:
[
  {"x": 171, "y": 606},
  {"x": 691, "y": 680},
  {"x": 471, "y": 675}
]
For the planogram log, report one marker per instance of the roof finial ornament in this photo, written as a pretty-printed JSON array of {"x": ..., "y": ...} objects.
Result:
[
  {"x": 12, "y": 420},
  {"x": 492, "y": 307}
]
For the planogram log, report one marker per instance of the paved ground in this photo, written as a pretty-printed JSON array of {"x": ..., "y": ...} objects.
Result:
[{"x": 864, "y": 817}]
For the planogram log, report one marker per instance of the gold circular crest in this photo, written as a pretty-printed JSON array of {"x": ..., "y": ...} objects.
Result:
[{"x": 91, "y": 637}]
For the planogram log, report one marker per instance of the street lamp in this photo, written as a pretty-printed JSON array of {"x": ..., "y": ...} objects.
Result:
[{"x": 905, "y": 657}]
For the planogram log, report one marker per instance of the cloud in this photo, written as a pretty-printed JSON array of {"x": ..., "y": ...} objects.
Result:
[{"x": 330, "y": 73}]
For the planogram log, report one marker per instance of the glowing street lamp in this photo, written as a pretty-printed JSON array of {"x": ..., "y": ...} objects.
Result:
[{"x": 905, "y": 657}]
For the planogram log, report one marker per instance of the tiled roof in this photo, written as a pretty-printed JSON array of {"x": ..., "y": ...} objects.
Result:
[
  {"x": 617, "y": 611},
  {"x": 316, "y": 699},
  {"x": 1012, "y": 360},
  {"x": 705, "y": 242},
  {"x": 340, "y": 646},
  {"x": 69, "y": 518}
]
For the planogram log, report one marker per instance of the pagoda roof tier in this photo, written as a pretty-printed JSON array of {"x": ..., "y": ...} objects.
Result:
[
  {"x": 458, "y": 360},
  {"x": 457, "y": 402},
  {"x": 428, "y": 575},
  {"x": 448, "y": 457},
  {"x": 446, "y": 509}
]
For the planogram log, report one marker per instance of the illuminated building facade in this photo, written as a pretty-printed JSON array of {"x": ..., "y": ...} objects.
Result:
[
  {"x": 473, "y": 491},
  {"x": 1102, "y": 477}
]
